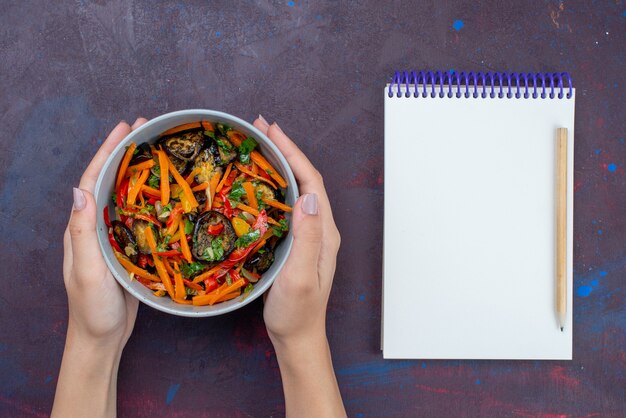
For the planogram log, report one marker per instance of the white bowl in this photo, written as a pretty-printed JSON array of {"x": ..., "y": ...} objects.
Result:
[{"x": 149, "y": 132}]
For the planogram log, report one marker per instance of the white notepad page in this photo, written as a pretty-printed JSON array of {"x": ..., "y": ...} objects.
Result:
[{"x": 470, "y": 228}]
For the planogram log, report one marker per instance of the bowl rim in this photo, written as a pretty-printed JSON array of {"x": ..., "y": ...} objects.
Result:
[{"x": 287, "y": 242}]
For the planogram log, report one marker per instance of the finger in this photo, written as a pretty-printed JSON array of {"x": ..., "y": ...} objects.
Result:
[
  {"x": 67, "y": 254},
  {"x": 307, "y": 241},
  {"x": 261, "y": 124},
  {"x": 82, "y": 232},
  {"x": 90, "y": 176},
  {"x": 140, "y": 121}
]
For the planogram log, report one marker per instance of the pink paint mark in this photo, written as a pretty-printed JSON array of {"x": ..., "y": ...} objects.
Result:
[
  {"x": 558, "y": 374},
  {"x": 369, "y": 175},
  {"x": 439, "y": 390},
  {"x": 600, "y": 122},
  {"x": 577, "y": 186}
]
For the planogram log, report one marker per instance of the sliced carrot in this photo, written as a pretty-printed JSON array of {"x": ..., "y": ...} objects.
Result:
[
  {"x": 200, "y": 187},
  {"x": 235, "y": 137},
  {"x": 175, "y": 237},
  {"x": 228, "y": 296},
  {"x": 135, "y": 188},
  {"x": 207, "y": 126},
  {"x": 182, "y": 183},
  {"x": 212, "y": 297},
  {"x": 150, "y": 191},
  {"x": 128, "y": 155},
  {"x": 204, "y": 299},
  {"x": 158, "y": 263},
  {"x": 182, "y": 301},
  {"x": 265, "y": 165},
  {"x": 141, "y": 199},
  {"x": 194, "y": 172},
  {"x": 249, "y": 188},
  {"x": 255, "y": 168},
  {"x": 255, "y": 212},
  {"x": 182, "y": 128},
  {"x": 207, "y": 274},
  {"x": 168, "y": 267},
  {"x": 212, "y": 187},
  {"x": 179, "y": 285},
  {"x": 131, "y": 268},
  {"x": 165, "y": 177},
  {"x": 138, "y": 167},
  {"x": 256, "y": 176},
  {"x": 276, "y": 204},
  {"x": 184, "y": 245},
  {"x": 224, "y": 177}
]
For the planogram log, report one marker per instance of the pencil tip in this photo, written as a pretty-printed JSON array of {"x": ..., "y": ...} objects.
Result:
[{"x": 561, "y": 329}]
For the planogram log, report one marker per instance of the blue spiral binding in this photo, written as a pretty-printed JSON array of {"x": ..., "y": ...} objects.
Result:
[{"x": 503, "y": 84}]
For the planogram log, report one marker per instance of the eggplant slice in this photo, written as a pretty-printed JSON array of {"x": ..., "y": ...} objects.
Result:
[
  {"x": 142, "y": 154},
  {"x": 205, "y": 163},
  {"x": 212, "y": 248},
  {"x": 126, "y": 240},
  {"x": 139, "y": 230},
  {"x": 262, "y": 260},
  {"x": 185, "y": 146}
]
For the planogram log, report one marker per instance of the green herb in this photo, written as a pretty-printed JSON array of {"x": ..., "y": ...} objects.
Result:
[
  {"x": 259, "y": 198},
  {"x": 245, "y": 149},
  {"x": 154, "y": 181},
  {"x": 236, "y": 192},
  {"x": 229, "y": 280},
  {"x": 162, "y": 247},
  {"x": 188, "y": 226},
  {"x": 147, "y": 209},
  {"x": 224, "y": 144},
  {"x": 280, "y": 230},
  {"x": 210, "y": 134},
  {"x": 268, "y": 171},
  {"x": 247, "y": 290},
  {"x": 190, "y": 291},
  {"x": 215, "y": 252},
  {"x": 247, "y": 239},
  {"x": 156, "y": 170},
  {"x": 167, "y": 239},
  {"x": 114, "y": 197},
  {"x": 261, "y": 251},
  {"x": 189, "y": 270},
  {"x": 223, "y": 128}
]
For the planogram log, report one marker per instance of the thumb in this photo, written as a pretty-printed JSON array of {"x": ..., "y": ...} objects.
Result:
[
  {"x": 82, "y": 228},
  {"x": 307, "y": 237}
]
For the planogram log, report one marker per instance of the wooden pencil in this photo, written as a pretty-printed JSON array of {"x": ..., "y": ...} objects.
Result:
[{"x": 561, "y": 226}]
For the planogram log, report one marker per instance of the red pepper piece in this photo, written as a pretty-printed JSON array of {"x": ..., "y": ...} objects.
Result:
[
  {"x": 122, "y": 193},
  {"x": 170, "y": 253},
  {"x": 143, "y": 261},
  {"x": 107, "y": 219},
  {"x": 114, "y": 244},
  {"x": 210, "y": 284},
  {"x": 215, "y": 229}
]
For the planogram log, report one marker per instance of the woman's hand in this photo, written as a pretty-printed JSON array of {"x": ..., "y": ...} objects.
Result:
[
  {"x": 295, "y": 308},
  {"x": 101, "y": 313}
]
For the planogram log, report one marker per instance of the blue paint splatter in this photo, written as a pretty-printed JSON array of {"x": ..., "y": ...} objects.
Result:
[
  {"x": 477, "y": 381},
  {"x": 218, "y": 34},
  {"x": 599, "y": 232},
  {"x": 624, "y": 14},
  {"x": 359, "y": 415},
  {"x": 593, "y": 221},
  {"x": 361, "y": 298},
  {"x": 171, "y": 392},
  {"x": 611, "y": 167},
  {"x": 423, "y": 365},
  {"x": 598, "y": 151},
  {"x": 458, "y": 25},
  {"x": 318, "y": 17},
  {"x": 291, "y": 3},
  {"x": 594, "y": 282},
  {"x": 603, "y": 273},
  {"x": 583, "y": 291},
  {"x": 48, "y": 379}
]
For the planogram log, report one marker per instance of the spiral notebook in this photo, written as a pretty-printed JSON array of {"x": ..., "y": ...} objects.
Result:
[{"x": 469, "y": 224}]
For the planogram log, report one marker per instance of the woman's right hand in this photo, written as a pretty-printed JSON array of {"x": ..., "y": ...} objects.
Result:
[{"x": 295, "y": 308}]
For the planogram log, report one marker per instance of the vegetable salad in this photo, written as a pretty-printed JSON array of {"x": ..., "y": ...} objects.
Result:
[{"x": 198, "y": 215}]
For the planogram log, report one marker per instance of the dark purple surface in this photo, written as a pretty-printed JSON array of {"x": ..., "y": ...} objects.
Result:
[{"x": 70, "y": 71}]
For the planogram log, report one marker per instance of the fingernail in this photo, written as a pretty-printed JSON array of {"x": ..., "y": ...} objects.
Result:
[
  {"x": 262, "y": 119},
  {"x": 79, "y": 199},
  {"x": 309, "y": 204},
  {"x": 280, "y": 130}
]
